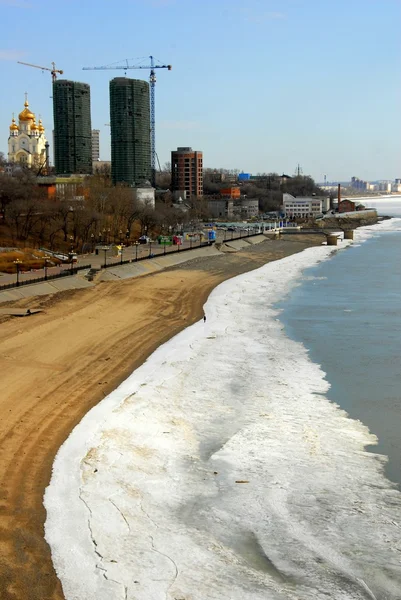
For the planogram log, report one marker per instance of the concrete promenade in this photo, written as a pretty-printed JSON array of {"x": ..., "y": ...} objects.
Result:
[{"x": 125, "y": 271}]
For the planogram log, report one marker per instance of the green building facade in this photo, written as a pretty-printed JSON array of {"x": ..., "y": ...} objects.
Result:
[
  {"x": 130, "y": 131},
  {"x": 72, "y": 127}
]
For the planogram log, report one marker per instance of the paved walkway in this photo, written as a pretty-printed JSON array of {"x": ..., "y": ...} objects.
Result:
[
  {"x": 96, "y": 260},
  {"x": 133, "y": 269},
  {"x": 163, "y": 258}
]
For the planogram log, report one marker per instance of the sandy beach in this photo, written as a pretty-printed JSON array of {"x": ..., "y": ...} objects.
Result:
[{"x": 58, "y": 364}]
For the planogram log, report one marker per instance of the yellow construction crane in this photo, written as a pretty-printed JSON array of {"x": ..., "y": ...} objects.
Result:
[{"x": 53, "y": 70}]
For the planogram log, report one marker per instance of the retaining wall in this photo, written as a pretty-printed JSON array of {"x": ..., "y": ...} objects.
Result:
[
  {"x": 47, "y": 287},
  {"x": 144, "y": 267}
]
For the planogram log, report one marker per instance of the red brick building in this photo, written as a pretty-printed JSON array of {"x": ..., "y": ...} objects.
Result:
[
  {"x": 346, "y": 206},
  {"x": 187, "y": 171}
]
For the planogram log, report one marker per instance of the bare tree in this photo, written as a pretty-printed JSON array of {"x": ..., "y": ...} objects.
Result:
[
  {"x": 147, "y": 218},
  {"x": 64, "y": 216}
]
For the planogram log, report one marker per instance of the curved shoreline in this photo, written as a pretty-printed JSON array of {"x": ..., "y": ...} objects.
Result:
[
  {"x": 59, "y": 364},
  {"x": 134, "y": 512}
]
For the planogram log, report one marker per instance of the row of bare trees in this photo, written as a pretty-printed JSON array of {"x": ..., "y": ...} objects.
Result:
[{"x": 97, "y": 213}]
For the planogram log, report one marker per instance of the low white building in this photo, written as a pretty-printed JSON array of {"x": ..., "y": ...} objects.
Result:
[
  {"x": 145, "y": 195},
  {"x": 301, "y": 207}
]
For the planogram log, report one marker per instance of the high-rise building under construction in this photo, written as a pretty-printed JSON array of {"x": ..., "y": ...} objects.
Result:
[
  {"x": 130, "y": 131},
  {"x": 187, "y": 171},
  {"x": 72, "y": 127}
]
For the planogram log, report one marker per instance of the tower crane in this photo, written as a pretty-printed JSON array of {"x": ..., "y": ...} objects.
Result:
[
  {"x": 152, "y": 84},
  {"x": 53, "y": 70}
]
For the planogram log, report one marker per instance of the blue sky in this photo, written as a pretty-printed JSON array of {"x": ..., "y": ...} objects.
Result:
[{"x": 260, "y": 85}]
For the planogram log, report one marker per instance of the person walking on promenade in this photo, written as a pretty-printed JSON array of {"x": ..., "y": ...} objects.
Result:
[{"x": 204, "y": 318}]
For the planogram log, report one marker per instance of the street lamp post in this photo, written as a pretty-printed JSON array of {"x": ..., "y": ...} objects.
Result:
[
  {"x": 71, "y": 253},
  {"x": 17, "y": 263},
  {"x": 136, "y": 251},
  {"x": 105, "y": 248},
  {"x": 71, "y": 257},
  {"x": 121, "y": 252}
]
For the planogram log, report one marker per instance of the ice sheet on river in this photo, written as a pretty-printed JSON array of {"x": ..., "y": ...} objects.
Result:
[{"x": 219, "y": 470}]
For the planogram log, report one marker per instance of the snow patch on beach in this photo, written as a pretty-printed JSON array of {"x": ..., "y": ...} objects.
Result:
[{"x": 219, "y": 470}]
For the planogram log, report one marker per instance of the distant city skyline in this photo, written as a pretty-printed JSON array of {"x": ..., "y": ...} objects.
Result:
[{"x": 271, "y": 85}]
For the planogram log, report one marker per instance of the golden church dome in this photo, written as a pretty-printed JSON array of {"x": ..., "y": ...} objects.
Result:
[
  {"x": 34, "y": 126},
  {"x": 41, "y": 128},
  {"x": 13, "y": 126},
  {"x": 26, "y": 114}
]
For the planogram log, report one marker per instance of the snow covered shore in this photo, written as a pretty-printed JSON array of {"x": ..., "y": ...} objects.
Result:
[{"x": 219, "y": 469}]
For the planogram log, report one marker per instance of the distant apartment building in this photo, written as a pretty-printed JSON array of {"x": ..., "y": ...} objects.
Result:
[
  {"x": 187, "y": 171},
  {"x": 360, "y": 185},
  {"x": 130, "y": 131},
  {"x": 95, "y": 145},
  {"x": 72, "y": 127},
  {"x": 301, "y": 207}
]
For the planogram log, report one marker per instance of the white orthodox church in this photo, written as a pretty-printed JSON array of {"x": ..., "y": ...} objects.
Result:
[{"x": 27, "y": 142}]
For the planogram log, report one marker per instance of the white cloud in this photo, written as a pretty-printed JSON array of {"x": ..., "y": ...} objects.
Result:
[{"x": 11, "y": 54}]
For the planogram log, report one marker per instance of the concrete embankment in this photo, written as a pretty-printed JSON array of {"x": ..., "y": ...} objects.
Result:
[
  {"x": 75, "y": 282},
  {"x": 348, "y": 220},
  {"x": 235, "y": 245},
  {"x": 144, "y": 267}
]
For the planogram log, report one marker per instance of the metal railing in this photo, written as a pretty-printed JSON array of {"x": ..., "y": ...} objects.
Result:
[
  {"x": 65, "y": 273},
  {"x": 179, "y": 249},
  {"x": 155, "y": 254}
]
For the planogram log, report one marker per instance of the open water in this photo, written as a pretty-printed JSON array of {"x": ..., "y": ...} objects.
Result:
[
  {"x": 347, "y": 312},
  {"x": 221, "y": 469}
]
